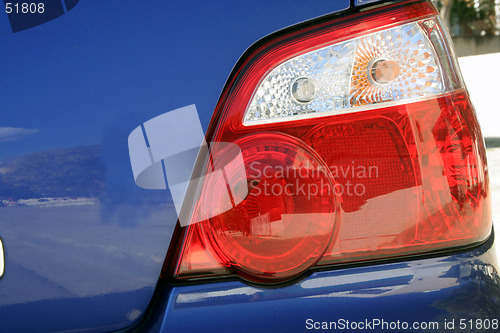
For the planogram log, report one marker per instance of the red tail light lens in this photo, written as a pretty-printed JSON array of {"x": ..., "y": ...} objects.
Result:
[
  {"x": 279, "y": 227},
  {"x": 358, "y": 142}
]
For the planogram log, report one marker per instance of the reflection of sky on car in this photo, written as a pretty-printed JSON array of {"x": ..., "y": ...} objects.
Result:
[
  {"x": 79, "y": 235},
  {"x": 426, "y": 275},
  {"x": 60, "y": 76},
  {"x": 102, "y": 68}
]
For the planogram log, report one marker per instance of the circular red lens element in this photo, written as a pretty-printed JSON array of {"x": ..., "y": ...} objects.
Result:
[{"x": 285, "y": 209}]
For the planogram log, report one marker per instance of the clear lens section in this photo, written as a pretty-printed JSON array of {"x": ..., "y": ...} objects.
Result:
[
  {"x": 386, "y": 66},
  {"x": 327, "y": 69}
]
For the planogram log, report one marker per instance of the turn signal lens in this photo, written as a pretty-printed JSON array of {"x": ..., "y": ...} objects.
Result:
[{"x": 383, "y": 71}]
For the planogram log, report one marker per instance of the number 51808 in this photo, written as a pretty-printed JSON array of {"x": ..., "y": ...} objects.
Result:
[{"x": 25, "y": 8}]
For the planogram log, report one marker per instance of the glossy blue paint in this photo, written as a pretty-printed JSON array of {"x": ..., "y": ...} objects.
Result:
[
  {"x": 83, "y": 244},
  {"x": 442, "y": 289}
]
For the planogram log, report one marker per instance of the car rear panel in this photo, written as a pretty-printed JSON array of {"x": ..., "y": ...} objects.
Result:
[
  {"x": 84, "y": 246},
  {"x": 428, "y": 293}
]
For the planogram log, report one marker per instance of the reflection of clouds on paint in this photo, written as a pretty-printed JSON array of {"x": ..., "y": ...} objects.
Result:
[
  {"x": 74, "y": 173},
  {"x": 49, "y": 202},
  {"x": 4, "y": 170},
  {"x": 8, "y": 134}
]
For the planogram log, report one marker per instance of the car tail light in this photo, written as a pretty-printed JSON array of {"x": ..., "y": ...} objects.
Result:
[{"x": 359, "y": 142}]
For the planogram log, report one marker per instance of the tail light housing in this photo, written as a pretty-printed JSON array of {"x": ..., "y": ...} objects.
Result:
[{"x": 358, "y": 142}]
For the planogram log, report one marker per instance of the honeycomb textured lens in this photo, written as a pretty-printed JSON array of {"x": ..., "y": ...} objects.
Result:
[
  {"x": 386, "y": 66},
  {"x": 404, "y": 47},
  {"x": 329, "y": 68}
]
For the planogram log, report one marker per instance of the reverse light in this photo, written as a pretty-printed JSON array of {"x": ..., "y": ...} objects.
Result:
[{"x": 354, "y": 149}]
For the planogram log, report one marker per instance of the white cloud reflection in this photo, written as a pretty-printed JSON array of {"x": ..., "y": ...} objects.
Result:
[{"x": 8, "y": 134}]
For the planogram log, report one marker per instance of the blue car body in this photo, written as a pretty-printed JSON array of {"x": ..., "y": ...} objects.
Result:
[{"x": 84, "y": 246}]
